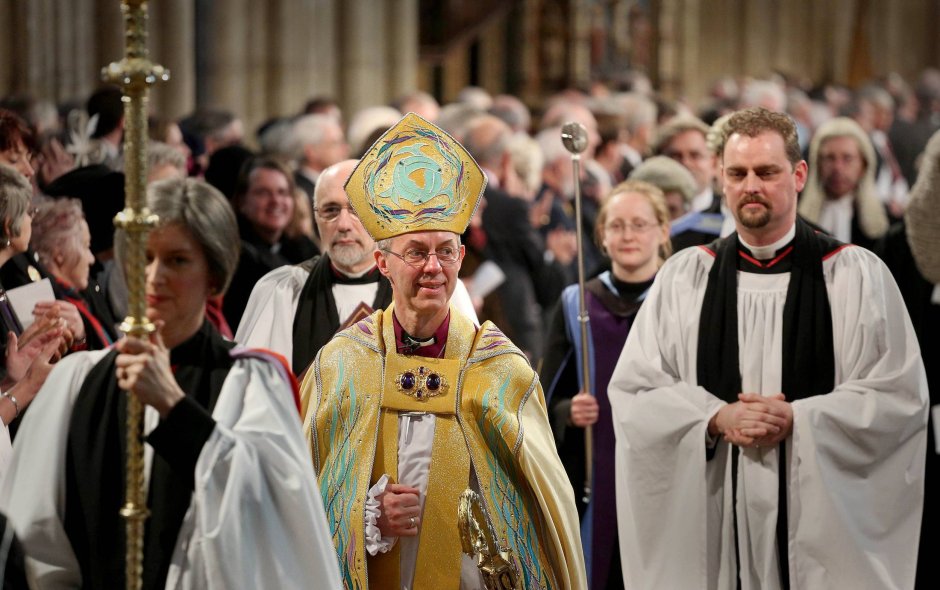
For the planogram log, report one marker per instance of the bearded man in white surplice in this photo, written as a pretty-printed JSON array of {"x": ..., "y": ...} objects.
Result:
[{"x": 770, "y": 403}]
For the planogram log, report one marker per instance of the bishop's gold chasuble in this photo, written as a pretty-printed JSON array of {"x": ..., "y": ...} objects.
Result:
[{"x": 490, "y": 420}]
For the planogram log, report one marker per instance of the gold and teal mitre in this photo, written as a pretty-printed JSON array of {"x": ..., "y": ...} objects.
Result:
[{"x": 416, "y": 177}]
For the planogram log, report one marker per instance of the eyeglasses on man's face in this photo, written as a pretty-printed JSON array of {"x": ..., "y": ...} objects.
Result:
[
  {"x": 416, "y": 257},
  {"x": 331, "y": 211}
]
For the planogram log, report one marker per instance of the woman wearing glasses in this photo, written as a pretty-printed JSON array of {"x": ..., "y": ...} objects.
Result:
[{"x": 633, "y": 231}]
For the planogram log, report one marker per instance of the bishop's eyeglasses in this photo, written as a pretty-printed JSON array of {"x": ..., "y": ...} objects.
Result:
[{"x": 446, "y": 256}]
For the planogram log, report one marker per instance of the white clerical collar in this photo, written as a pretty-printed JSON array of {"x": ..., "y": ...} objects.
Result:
[{"x": 769, "y": 251}]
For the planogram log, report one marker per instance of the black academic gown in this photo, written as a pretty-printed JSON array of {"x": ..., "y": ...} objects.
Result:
[
  {"x": 316, "y": 319},
  {"x": 95, "y": 466},
  {"x": 256, "y": 260}
]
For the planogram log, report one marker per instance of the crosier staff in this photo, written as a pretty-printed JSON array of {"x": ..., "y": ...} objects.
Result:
[
  {"x": 575, "y": 138},
  {"x": 135, "y": 74}
]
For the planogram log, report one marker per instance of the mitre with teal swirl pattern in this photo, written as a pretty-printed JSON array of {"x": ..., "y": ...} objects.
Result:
[{"x": 416, "y": 177}]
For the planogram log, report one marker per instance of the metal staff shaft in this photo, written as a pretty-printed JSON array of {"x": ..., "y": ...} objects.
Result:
[
  {"x": 583, "y": 320},
  {"x": 135, "y": 73},
  {"x": 574, "y": 137}
]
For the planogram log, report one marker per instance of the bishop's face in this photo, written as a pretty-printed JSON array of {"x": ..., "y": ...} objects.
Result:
[
  {"x": 761, "y": 186},
  {"x": 422, "y": 289}
]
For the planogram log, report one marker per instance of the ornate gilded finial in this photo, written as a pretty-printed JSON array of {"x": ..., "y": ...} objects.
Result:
[{"x": 135, "y": 74}]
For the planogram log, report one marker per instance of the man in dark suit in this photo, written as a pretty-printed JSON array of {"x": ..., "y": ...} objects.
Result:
[
  {"x": 534, "y": 278},
  {"x": 315, "y": 142}
]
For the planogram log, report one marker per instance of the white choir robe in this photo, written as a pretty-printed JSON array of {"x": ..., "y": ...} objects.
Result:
[
  {"x": 855, "y": 459},
  {"x": 268, "y": 321},
  {"x": 256, "y": 519}
]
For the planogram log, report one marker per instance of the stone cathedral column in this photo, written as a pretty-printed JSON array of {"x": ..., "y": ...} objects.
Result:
[
  {"x": 173, "y": 45},
  {"x": 402, "y": 42},
  {"x": 225, "y": 45},
  {"x": 363, "y": 48}
]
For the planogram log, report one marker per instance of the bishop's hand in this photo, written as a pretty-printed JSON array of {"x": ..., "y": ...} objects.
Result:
[{"x": 401, "y": 511}]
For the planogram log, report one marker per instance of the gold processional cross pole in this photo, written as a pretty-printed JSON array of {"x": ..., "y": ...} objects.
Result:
[{"x": 135, "y": 74}]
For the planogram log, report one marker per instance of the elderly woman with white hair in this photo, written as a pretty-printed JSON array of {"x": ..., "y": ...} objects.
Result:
[
  {"x": 232, "y": 493},
  {"x": 62, "y": 242}
]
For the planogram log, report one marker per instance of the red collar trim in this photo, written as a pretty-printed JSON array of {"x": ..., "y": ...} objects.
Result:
[{"x": 770, "y": 264}]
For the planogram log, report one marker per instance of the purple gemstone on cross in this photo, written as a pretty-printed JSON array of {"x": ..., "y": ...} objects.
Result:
[
  {"x": 407, "y": 380},
  {"x": 433, "y": 382}
]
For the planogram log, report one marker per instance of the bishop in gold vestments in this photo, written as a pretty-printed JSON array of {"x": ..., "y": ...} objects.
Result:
[{"x": 417, "y": 395}]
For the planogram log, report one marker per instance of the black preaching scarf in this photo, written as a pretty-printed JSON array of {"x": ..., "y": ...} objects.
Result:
[
  {"x": 95, "y": 463},
  {"x": 316, "y": 319},
  {"x": 808, "y": 355}
]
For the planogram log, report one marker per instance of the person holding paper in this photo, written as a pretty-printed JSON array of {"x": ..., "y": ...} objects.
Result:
[{"x": 26, "y": 354}]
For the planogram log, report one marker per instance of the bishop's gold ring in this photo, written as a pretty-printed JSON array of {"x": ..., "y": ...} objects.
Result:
[{"x": 414, "y": 522}]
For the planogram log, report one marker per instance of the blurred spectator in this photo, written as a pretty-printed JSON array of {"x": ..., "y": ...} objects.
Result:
[
  {"x": 264, "y": 206},
  {"x": 840, "y": 194}
]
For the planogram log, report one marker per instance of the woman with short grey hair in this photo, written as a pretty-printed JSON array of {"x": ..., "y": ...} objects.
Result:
[
  {"x": 230, "y": 478},
  {"x": 15, "y": 194},
  {"x": 211, "y": 221}
]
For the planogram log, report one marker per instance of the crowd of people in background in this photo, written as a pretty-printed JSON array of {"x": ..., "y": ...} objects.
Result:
[{"x": 651, "y": 186}]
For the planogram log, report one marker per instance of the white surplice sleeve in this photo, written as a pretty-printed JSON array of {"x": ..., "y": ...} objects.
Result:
[
  {"x": 256, "y": 519},
  {"x": 669, "y": 500},
  {"x": 6, "y": 449},
  {"x": 268, "y": 321},
  {"x": 857, "y": 494},
  {"x": 33, "y": 492}
]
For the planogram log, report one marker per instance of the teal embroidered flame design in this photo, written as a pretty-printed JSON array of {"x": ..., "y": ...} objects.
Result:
[
  {"x": 387, "y": 205},
  {"x": 337, "y": 481},
  {"x": 404, "y": 186},
  {"x": 508, "y": 497}
]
